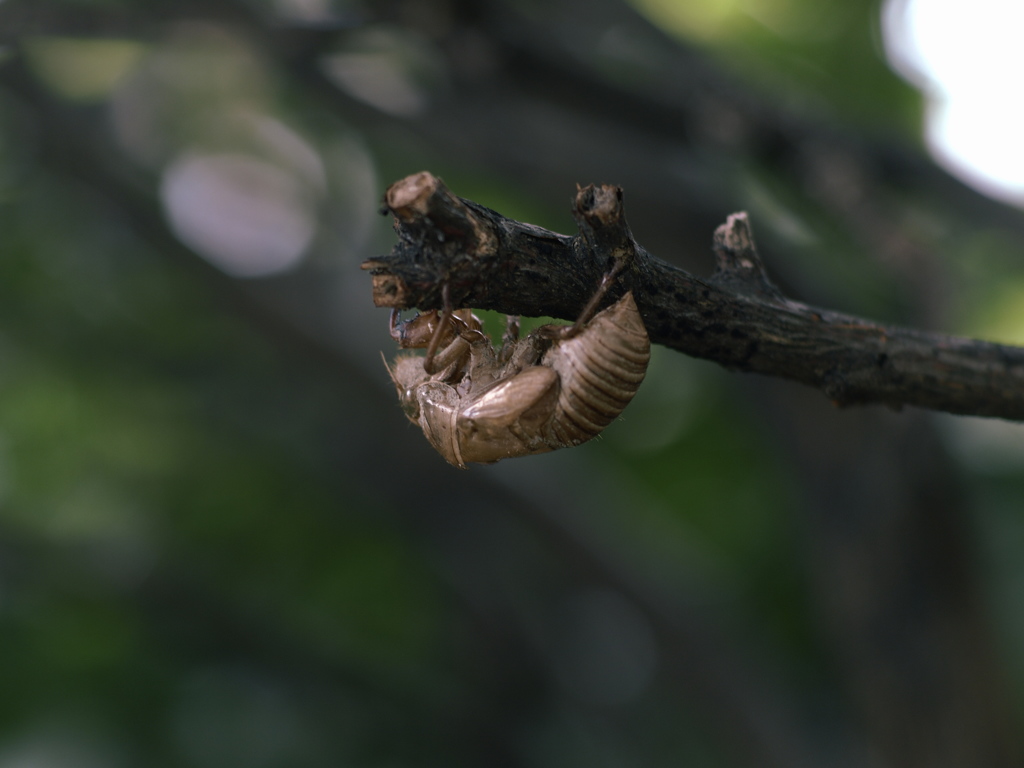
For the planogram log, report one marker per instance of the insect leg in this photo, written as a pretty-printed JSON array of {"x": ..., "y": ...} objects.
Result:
[
  {"x": 568, "y": 331},
  {"x": 435, "y": 340},
  {"x": 417, "y": 332},
  {"x": 510, "y": 338},
  {"x": 511, "y": 334}
]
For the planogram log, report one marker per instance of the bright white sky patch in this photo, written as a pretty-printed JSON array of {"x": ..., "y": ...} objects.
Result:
[{"x": 969, "y": 60}]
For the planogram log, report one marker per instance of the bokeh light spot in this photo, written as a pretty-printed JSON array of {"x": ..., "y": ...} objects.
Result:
[
  {"x": 248, "y": 217},
  {"x": 967, "y": 60}
]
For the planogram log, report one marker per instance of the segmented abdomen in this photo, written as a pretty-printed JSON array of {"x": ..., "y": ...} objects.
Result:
[{"x": 600, "y": 371}]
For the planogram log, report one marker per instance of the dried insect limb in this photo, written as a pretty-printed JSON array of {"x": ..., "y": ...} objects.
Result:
[
  {"x": 736, "y": 317},
  {"x": 429, "y": 364}
]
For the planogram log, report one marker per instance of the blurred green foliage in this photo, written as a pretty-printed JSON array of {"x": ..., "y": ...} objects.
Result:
[
  {"x": 810, "y": 55},
  {"x": 159, "y": 498}
]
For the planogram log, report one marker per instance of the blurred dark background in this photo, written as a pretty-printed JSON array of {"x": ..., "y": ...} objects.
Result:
[{"x": 222, "y": 544}]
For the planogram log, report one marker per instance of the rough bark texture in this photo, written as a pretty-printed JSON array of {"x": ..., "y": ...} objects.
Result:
[{"x": 737, "y": 317}]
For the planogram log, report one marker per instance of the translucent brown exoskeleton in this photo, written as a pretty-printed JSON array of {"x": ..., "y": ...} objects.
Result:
[{"x": 560, "y": 386}]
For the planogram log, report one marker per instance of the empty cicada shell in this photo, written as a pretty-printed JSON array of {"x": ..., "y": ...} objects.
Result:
[{"x": 553, "y": 389}]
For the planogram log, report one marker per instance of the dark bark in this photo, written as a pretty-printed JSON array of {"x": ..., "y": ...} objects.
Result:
[{"x": 737, "y": 317}]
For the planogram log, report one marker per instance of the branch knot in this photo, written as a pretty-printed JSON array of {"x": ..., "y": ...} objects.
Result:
[
  {"x": 601, "y": 218},
  {"x": 740, "y": 268}
]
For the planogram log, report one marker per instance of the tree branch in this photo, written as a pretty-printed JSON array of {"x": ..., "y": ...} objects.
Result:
[{"x": 737, "y": 317}]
